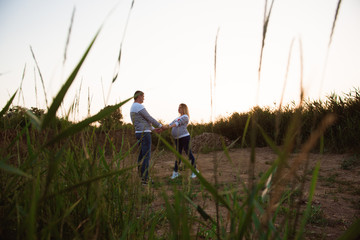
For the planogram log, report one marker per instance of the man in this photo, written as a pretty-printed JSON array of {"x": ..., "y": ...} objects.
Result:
[{"x": 143, "y": 124}]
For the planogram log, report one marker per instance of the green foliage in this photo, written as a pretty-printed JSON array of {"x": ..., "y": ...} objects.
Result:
[
  {"x": 18, "y": 117},
  {"x": 112, "y": 121},
  {"x": 15, "y": 117},
  {"x": 340, "y": 137},
  {"x": 317, "y": 215}
]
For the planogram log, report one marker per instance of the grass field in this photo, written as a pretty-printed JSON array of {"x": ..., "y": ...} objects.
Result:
[
  {"x": 71, "y": 180},
  {"x": 65, "y": 180}
]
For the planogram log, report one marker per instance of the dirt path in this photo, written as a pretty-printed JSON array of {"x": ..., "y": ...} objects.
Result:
[{"x": 336, "y": 203}]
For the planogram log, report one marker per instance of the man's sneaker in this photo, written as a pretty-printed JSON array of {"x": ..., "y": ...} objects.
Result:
[
  {"x": 175, "y": 175},
  {"x": 193, "y": 174},
  {"x": 147, "y": 181}
]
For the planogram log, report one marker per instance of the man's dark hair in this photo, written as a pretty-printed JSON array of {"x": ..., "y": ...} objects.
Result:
[{"x": 138, "y": 93}]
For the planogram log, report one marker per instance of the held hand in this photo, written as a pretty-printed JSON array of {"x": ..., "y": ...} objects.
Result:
[
  {"x": 158, "y": 130},
  {"x": 161, "y": 129}
]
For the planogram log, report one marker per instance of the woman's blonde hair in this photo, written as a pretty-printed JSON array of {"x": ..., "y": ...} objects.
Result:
[{"x": 185, "y": 109}]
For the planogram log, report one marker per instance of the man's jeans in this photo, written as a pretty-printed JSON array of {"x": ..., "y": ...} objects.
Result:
[{"x": 144, "y": 140}]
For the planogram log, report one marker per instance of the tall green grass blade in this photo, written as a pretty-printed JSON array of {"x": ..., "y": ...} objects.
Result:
[
  {"x": 50, "y": 115},
  {"x": 269, "y": 141},
  {"x": 81, "y": 125},
  {"x": 127, "y": 153},
  {"x": 246, "y": 223},
  {"x": 41, "y": 77},
  {"x": 34, "y": 119},
  {"x": 54, "y": 160},
  {"x": 308, "y": 206},
  {"x": 329, "y": 44},
  {"x": 30, "y": 145},
  {"x": 35, "y": 88},
  {"x": 256, "y": 220},
  {"x": 286, "y": 74},
  {"x": 200, "y": 210},
  {"x": 103, "y": 160},
  {"x": 117, "y": 68},
  {"x": 90, "y": 180},
  {"x": 245, "y": 131},
  {"x": 21, "y": 93},
  {"x": 67, "y": 213},
  {"x": 215, "y": 55},
  {"x": 13, "y": 170},
  {"x": 226, "y": 149},
  {"x": 6, "y": 107},
  {"x": 253, "y": 134},
  {"x": 265, "y": 27},
  {"x": 334, "y": 22},
  {"x": 71, "y": 208},
  {"x": 68, "y": 36},
  {"x": 34, "y": 204}
]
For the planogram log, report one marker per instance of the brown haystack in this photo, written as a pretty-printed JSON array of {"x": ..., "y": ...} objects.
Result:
[{"x": 211, "y": 141}]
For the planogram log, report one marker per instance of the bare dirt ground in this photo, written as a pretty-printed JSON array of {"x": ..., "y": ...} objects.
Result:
[{"x": 337, "y": 196}]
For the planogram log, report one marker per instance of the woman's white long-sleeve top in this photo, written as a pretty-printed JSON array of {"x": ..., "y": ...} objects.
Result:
[{"x": 180, "y": 129}]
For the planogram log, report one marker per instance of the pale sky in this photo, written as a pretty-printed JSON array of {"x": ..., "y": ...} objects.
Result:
[{"x": 168, "y": 53}]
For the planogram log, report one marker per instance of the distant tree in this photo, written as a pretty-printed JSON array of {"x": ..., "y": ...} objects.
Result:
[
  {"x": 37, "y": 111},
  {"x": 15, "y": 116},
  {"x": 112, "y": 121}
]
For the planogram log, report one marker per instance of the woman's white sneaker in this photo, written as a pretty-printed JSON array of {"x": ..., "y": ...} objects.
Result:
[
  {"x": 175, "y": 175},
  {"x": 193, "y": 175}
]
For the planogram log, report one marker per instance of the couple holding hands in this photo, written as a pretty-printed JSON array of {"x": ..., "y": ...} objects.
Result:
[{"x": 143, "y": 124}]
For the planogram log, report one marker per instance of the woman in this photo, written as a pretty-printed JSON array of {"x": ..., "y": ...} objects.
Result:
[{"x": 182, "y": 138}]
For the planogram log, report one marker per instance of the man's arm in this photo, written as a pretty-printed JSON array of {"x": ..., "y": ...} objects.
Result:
[{"x": 148, "y": 118}]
